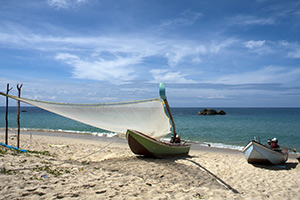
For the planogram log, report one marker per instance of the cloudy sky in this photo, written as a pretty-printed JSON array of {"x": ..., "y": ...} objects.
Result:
[{"x": 209, "y": 53}]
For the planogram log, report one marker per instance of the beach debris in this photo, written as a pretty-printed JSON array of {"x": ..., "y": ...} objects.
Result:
[
  {"x": 10, "y": 147},
  {"x": 100, "y": 192},
  {"x": 58, "y": 145},
  {"x": 209, "y": 111},
  {"x": 31, "y": 189},
  {"x": 45, "y": 176},
  {"x": 12, "y": 137},
  {"x": 198, "y": 195}
]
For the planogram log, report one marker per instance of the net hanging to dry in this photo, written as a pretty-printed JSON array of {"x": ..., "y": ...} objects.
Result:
[{"x": 146, "y": 116}]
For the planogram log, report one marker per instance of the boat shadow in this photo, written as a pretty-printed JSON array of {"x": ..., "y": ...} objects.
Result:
[
  {"x": 166, "y": 158},
  {"x": 286, "y": 166}
]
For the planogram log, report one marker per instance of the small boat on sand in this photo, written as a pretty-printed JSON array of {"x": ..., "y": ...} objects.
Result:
[
  {"x": 257, "y": 153},
  {"x": 142, "y": 144}
]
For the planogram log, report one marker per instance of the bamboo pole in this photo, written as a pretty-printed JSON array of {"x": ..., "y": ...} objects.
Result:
[
  {"x": 18, "y": 114},
  {"x": 162, "y": 94},
  {"x": 171, "y": 117},
  {"x": 6, "y": 115}
]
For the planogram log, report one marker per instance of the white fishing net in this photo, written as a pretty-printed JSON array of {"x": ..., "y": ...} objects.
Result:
[{"x": 146, "y": 116}]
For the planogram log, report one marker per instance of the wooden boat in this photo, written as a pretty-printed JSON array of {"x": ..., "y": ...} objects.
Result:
[
  {"x": 256, "y": 152},
  {"x": 142, "y": 144}
]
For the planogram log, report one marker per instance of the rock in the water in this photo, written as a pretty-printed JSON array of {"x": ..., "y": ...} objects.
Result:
[
  {"x": 221, "y": 112},
  {"x": 208, "y": 111}
]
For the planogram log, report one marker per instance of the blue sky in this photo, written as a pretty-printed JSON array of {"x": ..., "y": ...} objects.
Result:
[{"x": 209, "y": 53}]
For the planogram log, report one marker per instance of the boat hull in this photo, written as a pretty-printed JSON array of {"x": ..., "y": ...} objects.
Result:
[
  {"x": 142, "y": 144},
  {"x": 257, "y": 153}
]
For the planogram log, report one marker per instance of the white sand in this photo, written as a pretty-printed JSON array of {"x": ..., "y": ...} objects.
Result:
[{"x": 93, "y": 169}]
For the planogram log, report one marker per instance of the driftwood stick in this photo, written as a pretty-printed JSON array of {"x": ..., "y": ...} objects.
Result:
[
  {"x": 18, "y": 114},
  {"x": 6, "y": 115}
]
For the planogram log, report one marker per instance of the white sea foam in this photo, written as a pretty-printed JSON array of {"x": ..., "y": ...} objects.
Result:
[
  {"x": 105, "y": 134},
  {"x": 223, "y": 146},
  {"x": 215, "y": 145},
  {"x": 100, "y": 134}
]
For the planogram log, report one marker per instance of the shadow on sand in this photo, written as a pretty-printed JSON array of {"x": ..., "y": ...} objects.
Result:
[
  {"x": 189, "y": 158},
  {"x": 286, "y": 166},
  {"x": 163, "y": 171},
  {"x": 216, "y": 177}
]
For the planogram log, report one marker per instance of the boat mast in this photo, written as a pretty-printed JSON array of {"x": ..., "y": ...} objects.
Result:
[{"x": 162, "y": 93}]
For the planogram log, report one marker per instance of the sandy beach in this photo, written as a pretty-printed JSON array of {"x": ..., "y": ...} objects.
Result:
[{"x": 68, "y": 166}]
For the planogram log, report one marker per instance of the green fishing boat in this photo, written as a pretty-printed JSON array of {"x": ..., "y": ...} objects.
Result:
[{"x": 142, "y": 144}]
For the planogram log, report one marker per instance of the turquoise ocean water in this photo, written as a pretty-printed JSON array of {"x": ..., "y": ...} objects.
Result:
[{"x": 233, "y": 130}]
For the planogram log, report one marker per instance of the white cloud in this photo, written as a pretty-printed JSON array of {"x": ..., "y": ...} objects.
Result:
[
  {"x": 196, "y": 59},
  {"x": 254, "y": 44},
  {"x": 270, "y": 74},
  {"x": 212, "y": 96},
  {"x": 114, "y": 71},
  {"x": 178, "y": 51},
  {"x": 161, "y": 75},
  {"x": 261, "y": 47},
  {"x": 215, "y": 47},
  {"x": 59, "y": 3},
  {"x": 292, "y": 48},
  {"x": 64, "y": 4},
  {"x": 119, "y": 46},
  {"x": 66, "y": 57},
  {"x": 294, "y": 54},
  {"x": 281, "y": 48},
  {"x": 118, "y": 58},
  {"x": 187, "y": 18},
  {"x": 251, "y": 20}
]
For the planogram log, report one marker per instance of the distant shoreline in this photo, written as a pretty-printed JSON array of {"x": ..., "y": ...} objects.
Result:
[{"x": 117, "y": 139}]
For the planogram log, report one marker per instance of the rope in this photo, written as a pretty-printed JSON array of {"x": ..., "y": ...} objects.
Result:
[
  {"x": 96, "y": 151},
  {"x": 80, "y": 104}
]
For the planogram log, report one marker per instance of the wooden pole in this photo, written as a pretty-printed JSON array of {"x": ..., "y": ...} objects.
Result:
[
  {"x": 171, "y": 117},
  {"x": 18, "y": 114},
  {"x": 6, "y": 115},
  {"x": 162, "y": 94}
]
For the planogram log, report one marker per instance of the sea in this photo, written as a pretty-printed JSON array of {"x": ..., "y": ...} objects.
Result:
[{"x": 233, "y": 130}]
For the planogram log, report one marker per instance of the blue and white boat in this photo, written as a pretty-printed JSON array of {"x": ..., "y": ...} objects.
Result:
[{"x": 257, "y": 153}]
